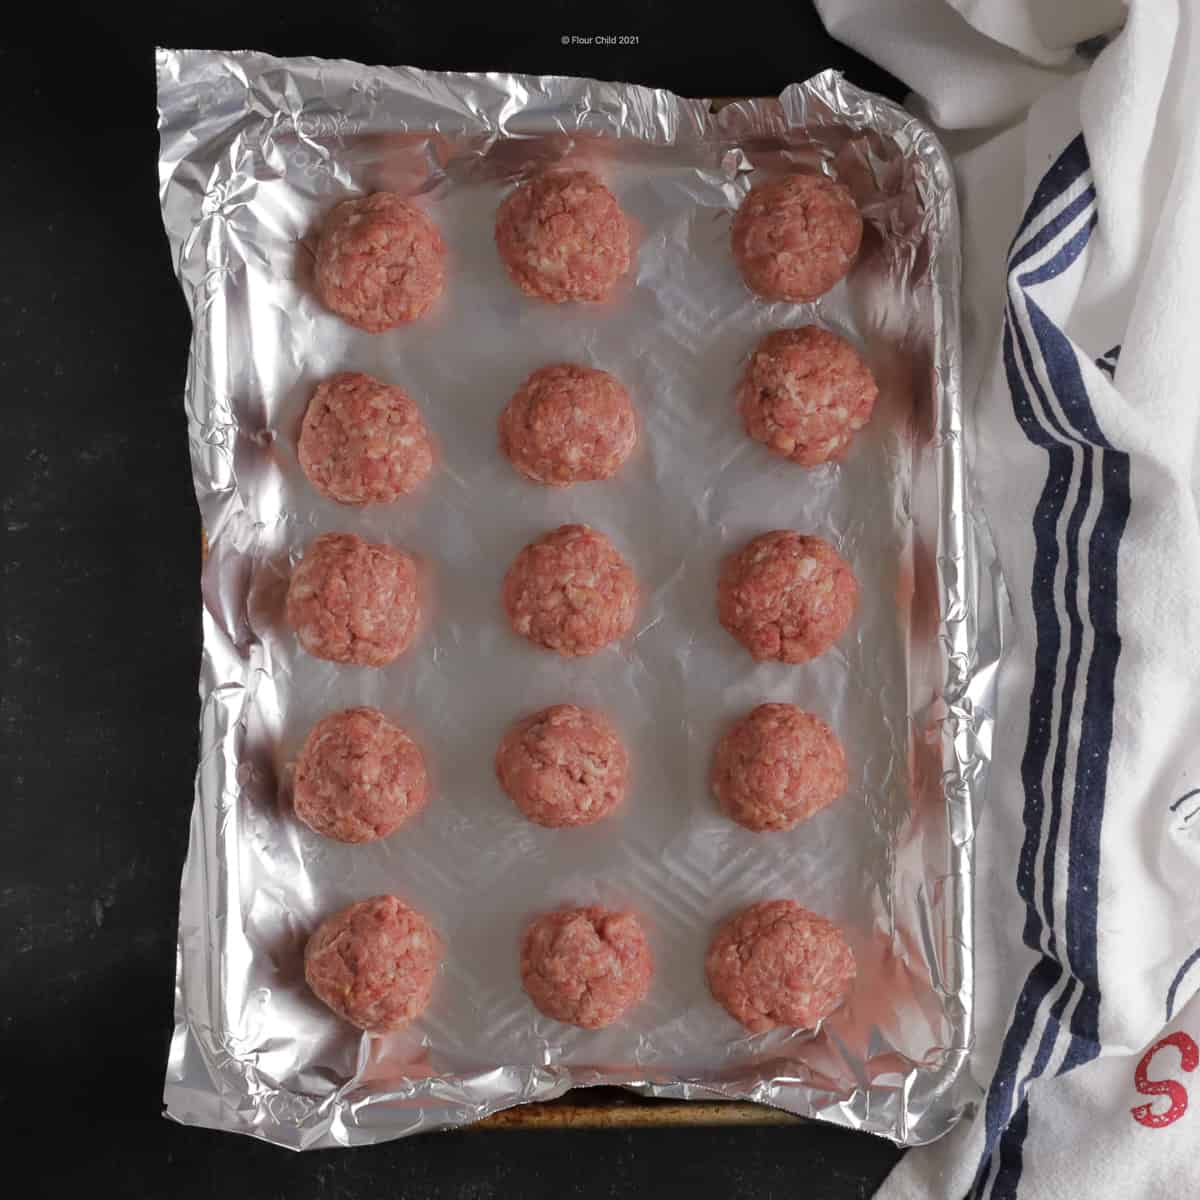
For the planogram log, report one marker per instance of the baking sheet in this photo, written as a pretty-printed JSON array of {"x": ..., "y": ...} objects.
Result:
[{"x": 255, "y": 151}]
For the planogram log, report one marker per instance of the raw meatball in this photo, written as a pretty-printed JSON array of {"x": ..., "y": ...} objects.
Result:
[
  {"x": 380, "y": 262},
  {"x": 776, "y": 767},
  {"x": 586, "y": 966},
  {"x": 363, "y": 441},
  {"x": 805, "y": 394},
  {"x": 570, "y": 591},
  {"x": 794, "y": 238},
  {"x": 359, "y": 777},
  {"x": 568, "y": 424},
  {"x": 374, "y": 963},
  {"x": 562, "y": 236},
  {"x": 786, "y": 596},
  {"x": 776, "y": 963},
  {"x": 352, "y": 601},
  {"x": 563, "y": 766}
]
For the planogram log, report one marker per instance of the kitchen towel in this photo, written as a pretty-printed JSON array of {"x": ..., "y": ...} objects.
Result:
[{"x": 1075, "y": 131}]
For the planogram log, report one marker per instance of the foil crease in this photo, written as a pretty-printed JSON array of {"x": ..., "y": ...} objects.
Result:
[{"x": 254, "y": 151}]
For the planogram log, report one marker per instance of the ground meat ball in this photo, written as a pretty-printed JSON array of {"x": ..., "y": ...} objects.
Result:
[
  {"x": 586, "y": 966},
  {"x": 805, "y": 394},
  {"x": 570, "y": 591},
  {"x": 776, "y": 963},
  {"x": 374, "y": 964},
  {"x": 562, "y": 236},
  {"x": 363, "y": 441},
  {"x": 794, "y": 238},
  {"x": 776, "y": 767},
  {"x": 563, "y": 766},
  {"x": 352, "y": 601},
  {"x": 786, "y": 596},
  {"x": 568, "y": 424},
  {"x": 359, "y": 777},
  {"x": 380, "y": 262}
]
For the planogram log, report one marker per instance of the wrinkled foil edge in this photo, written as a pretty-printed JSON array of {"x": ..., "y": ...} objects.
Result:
[{"x": 207, "y": 1082}]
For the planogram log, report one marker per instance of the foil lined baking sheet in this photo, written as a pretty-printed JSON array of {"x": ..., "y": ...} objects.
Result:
[{"x": 255, "y": 151}]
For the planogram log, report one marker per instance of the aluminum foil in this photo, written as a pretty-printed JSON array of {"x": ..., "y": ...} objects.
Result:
[{"x": 255, "y": 151}]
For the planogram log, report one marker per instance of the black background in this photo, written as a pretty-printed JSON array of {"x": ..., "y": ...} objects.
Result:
[{"x": 100, "y": 607}]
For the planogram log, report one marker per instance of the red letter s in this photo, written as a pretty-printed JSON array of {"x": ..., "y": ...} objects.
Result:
[{"x": 1189, "y": 1055}]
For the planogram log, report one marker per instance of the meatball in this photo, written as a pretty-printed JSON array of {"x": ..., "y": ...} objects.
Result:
[
  {"x": 363, "y": 441},
  {"x": 776, "y": 963},
  {"x": 563, "y": 766},
  {"x": 359, "y": 777},
  {"x": 570, "y": 591},
  {"x": 776, "y": 767},
  {"x": 568, "y": 424},
  {"x": 352, "y": 601},
  {"x": 794, "y": 238},
  {"x": 562, "y": 236},
  {"x": 380, "y": 262},
  {"x": 786, "y": 596},
  {"x": 586, "y": 966},
  {"x": 374, "y": 964},
  {"x": 805, "y": 394}
]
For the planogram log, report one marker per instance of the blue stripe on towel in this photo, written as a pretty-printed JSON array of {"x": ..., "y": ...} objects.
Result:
[{"x": 1060, "y": 419}]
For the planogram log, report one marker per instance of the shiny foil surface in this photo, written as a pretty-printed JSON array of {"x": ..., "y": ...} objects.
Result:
[{"x": 255, "y": 152}]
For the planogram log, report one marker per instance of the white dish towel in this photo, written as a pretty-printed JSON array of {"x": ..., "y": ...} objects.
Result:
[{"x": 1075, "y": 129}]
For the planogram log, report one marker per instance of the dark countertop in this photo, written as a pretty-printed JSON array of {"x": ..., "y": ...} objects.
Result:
[{"x": 100, "y": 610}]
